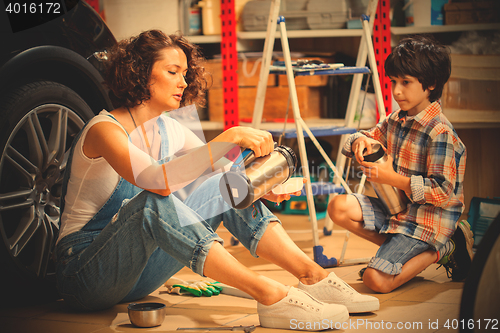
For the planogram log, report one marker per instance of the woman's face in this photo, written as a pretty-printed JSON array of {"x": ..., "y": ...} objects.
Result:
[{"x": 167, "y": 81}]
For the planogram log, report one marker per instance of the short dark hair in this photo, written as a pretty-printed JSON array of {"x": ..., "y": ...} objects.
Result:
[
  {"x": 130, "y": 62},
  {"x": 424, "y": 58}
]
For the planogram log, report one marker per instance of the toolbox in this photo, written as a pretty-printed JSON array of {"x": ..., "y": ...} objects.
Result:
[
  {"x": 472, "y": 12},
  {"x": 300, "y": 14}
]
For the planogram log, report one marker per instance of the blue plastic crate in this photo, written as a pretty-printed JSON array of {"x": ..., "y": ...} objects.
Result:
[{"x": 482, "y": 212}]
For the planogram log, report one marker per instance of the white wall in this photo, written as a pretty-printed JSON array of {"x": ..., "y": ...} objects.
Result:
[{"x": 127, "y": 18}]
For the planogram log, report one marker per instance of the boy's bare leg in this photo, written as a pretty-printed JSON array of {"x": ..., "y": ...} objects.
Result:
[
  {"x": 345, "y": 211},
  {"x": 384, "y": 283},
  {"x": 221, "y": 266}
]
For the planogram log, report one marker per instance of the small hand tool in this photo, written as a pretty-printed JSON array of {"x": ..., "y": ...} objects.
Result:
[{"x": 246, "y": 329}]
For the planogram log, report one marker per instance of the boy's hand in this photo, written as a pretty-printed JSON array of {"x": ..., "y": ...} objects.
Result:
[
  {"x": 379, "y": 172},
  {"x": 362, "y": 146}
]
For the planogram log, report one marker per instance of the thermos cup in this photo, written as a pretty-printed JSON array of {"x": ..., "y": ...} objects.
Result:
[
  {"x": 393, "y": 199},
  {"x": 250, "y": 179}
]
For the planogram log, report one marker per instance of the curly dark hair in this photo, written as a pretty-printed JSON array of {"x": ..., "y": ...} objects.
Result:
[
  {"x": 424, "y": 58},
  {"x": 128, "y": 69}
]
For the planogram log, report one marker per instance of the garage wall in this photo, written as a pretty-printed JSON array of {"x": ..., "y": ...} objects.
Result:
[{"x": 126, "y": 18}]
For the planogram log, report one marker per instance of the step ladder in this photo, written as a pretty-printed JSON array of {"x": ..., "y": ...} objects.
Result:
[{"x": 339, "y": 185}]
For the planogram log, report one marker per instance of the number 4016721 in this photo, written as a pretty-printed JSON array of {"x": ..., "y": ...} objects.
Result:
[{"x": 33, "y": 8}]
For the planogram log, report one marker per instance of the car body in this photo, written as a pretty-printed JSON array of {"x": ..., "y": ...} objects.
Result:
[{"x": 50, "y": 85}]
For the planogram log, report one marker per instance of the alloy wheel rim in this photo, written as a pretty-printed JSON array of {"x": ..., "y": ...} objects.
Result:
[{"x": 36, "y": 152}]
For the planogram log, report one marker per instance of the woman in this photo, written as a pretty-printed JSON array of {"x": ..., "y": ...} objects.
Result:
[{"x": 123, "y": 234}]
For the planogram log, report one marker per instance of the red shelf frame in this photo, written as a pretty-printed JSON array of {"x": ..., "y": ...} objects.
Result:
[
  {"x": 229, "y": 64},
  {"x": 381, "y": 44},
  {"x": 382, "y": 48}
]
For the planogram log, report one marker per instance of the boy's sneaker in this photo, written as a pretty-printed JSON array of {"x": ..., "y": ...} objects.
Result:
[
  {"x": 459, "y": 261},
  {"x": 446, "y": 251},
  {"x": 300, "y": 311},
  {"x": 333, "y": 290}
]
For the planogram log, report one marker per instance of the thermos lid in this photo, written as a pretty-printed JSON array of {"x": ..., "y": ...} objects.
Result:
[
  {"x": 377, "y": 153},
  {"x": 290, "y": 157}
]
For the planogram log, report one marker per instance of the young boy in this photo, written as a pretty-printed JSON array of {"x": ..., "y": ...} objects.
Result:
[{"x": 426, "y": 161}]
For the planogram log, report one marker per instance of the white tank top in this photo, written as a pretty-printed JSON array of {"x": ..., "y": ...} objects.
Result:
[{"x": 93, "y": 180}]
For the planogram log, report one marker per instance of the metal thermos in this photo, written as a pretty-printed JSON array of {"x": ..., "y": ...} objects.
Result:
[
  {"x": 250, "y": 179},
  {"x": 394, "y": 199}
]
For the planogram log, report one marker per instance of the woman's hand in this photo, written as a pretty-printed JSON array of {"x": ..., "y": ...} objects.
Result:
[
  {"x": 261, "y": 142},
  {"x": 271, "y": 196},
  {"x": 278, "y": 198}
]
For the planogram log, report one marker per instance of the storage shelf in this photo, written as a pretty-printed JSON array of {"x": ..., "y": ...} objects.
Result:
[
  {"x": 291, "y": 133},
  {"x": 464, "y": 118},
  {"x": 219, "y": 125},
  {"x": 304, "y": 33},
  {"x": 460, "y": 118},
  {"x": 444, "y": 28},
  {"x": 249, "y": 35},
  {"x": 202, "y": 39},
  {"x": 344, "y": 70}
]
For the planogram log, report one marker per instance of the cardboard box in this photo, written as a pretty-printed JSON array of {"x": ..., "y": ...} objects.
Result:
[
  {"x": 248, "y": 73},
  {"x": 475, "y": 67},
  {"x": 472, "y": 12},
  {"x": 474, "y": 83},
  {"x": 471, "y": 95},
  {"x": 306, "y": 80},
  {"x": 275, "y": 104}
]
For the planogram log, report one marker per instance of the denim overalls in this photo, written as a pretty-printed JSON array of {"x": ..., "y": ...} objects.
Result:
[{"x": 139, "y": 239}]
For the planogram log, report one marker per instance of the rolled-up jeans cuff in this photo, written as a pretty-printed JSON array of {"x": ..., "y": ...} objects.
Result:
[
  {"x": 197, "y": 262},
  {"x": 368, "y": 212},
  {"x": 259, "y": 231},
  {"x": 385, "y": 266}
]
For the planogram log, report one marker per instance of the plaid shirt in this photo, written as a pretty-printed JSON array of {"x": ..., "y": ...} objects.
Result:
[{"x": 427, "y": 149}]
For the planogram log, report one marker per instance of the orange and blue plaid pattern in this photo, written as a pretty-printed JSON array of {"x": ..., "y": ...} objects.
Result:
[{"x": 427, "y": 149}]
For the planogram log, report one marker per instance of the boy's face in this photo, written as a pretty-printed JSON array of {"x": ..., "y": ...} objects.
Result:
[{"x": 409, "y": 94}]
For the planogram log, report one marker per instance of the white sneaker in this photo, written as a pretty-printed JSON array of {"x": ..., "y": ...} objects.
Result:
[
  {"x": 333, "y": 290},
  {"x": 300, "y": 311}
]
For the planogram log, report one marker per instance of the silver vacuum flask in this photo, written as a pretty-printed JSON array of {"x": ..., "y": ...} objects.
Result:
[{"x": 250, "y": 179}]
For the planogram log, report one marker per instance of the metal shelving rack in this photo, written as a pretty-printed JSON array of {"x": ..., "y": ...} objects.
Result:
[{"x": 366, "y": 51}]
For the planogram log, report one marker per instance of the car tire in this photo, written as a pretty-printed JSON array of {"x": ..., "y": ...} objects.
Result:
[
  {"x": 481, "y": 289},
  {"x": 39, "y": 122}
]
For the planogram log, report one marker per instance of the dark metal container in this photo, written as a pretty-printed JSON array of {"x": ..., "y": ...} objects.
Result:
[{"x": 393, "y": 199}]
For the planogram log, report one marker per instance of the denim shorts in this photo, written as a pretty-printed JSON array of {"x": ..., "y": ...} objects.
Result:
[{"x": 397, "y": 248}]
